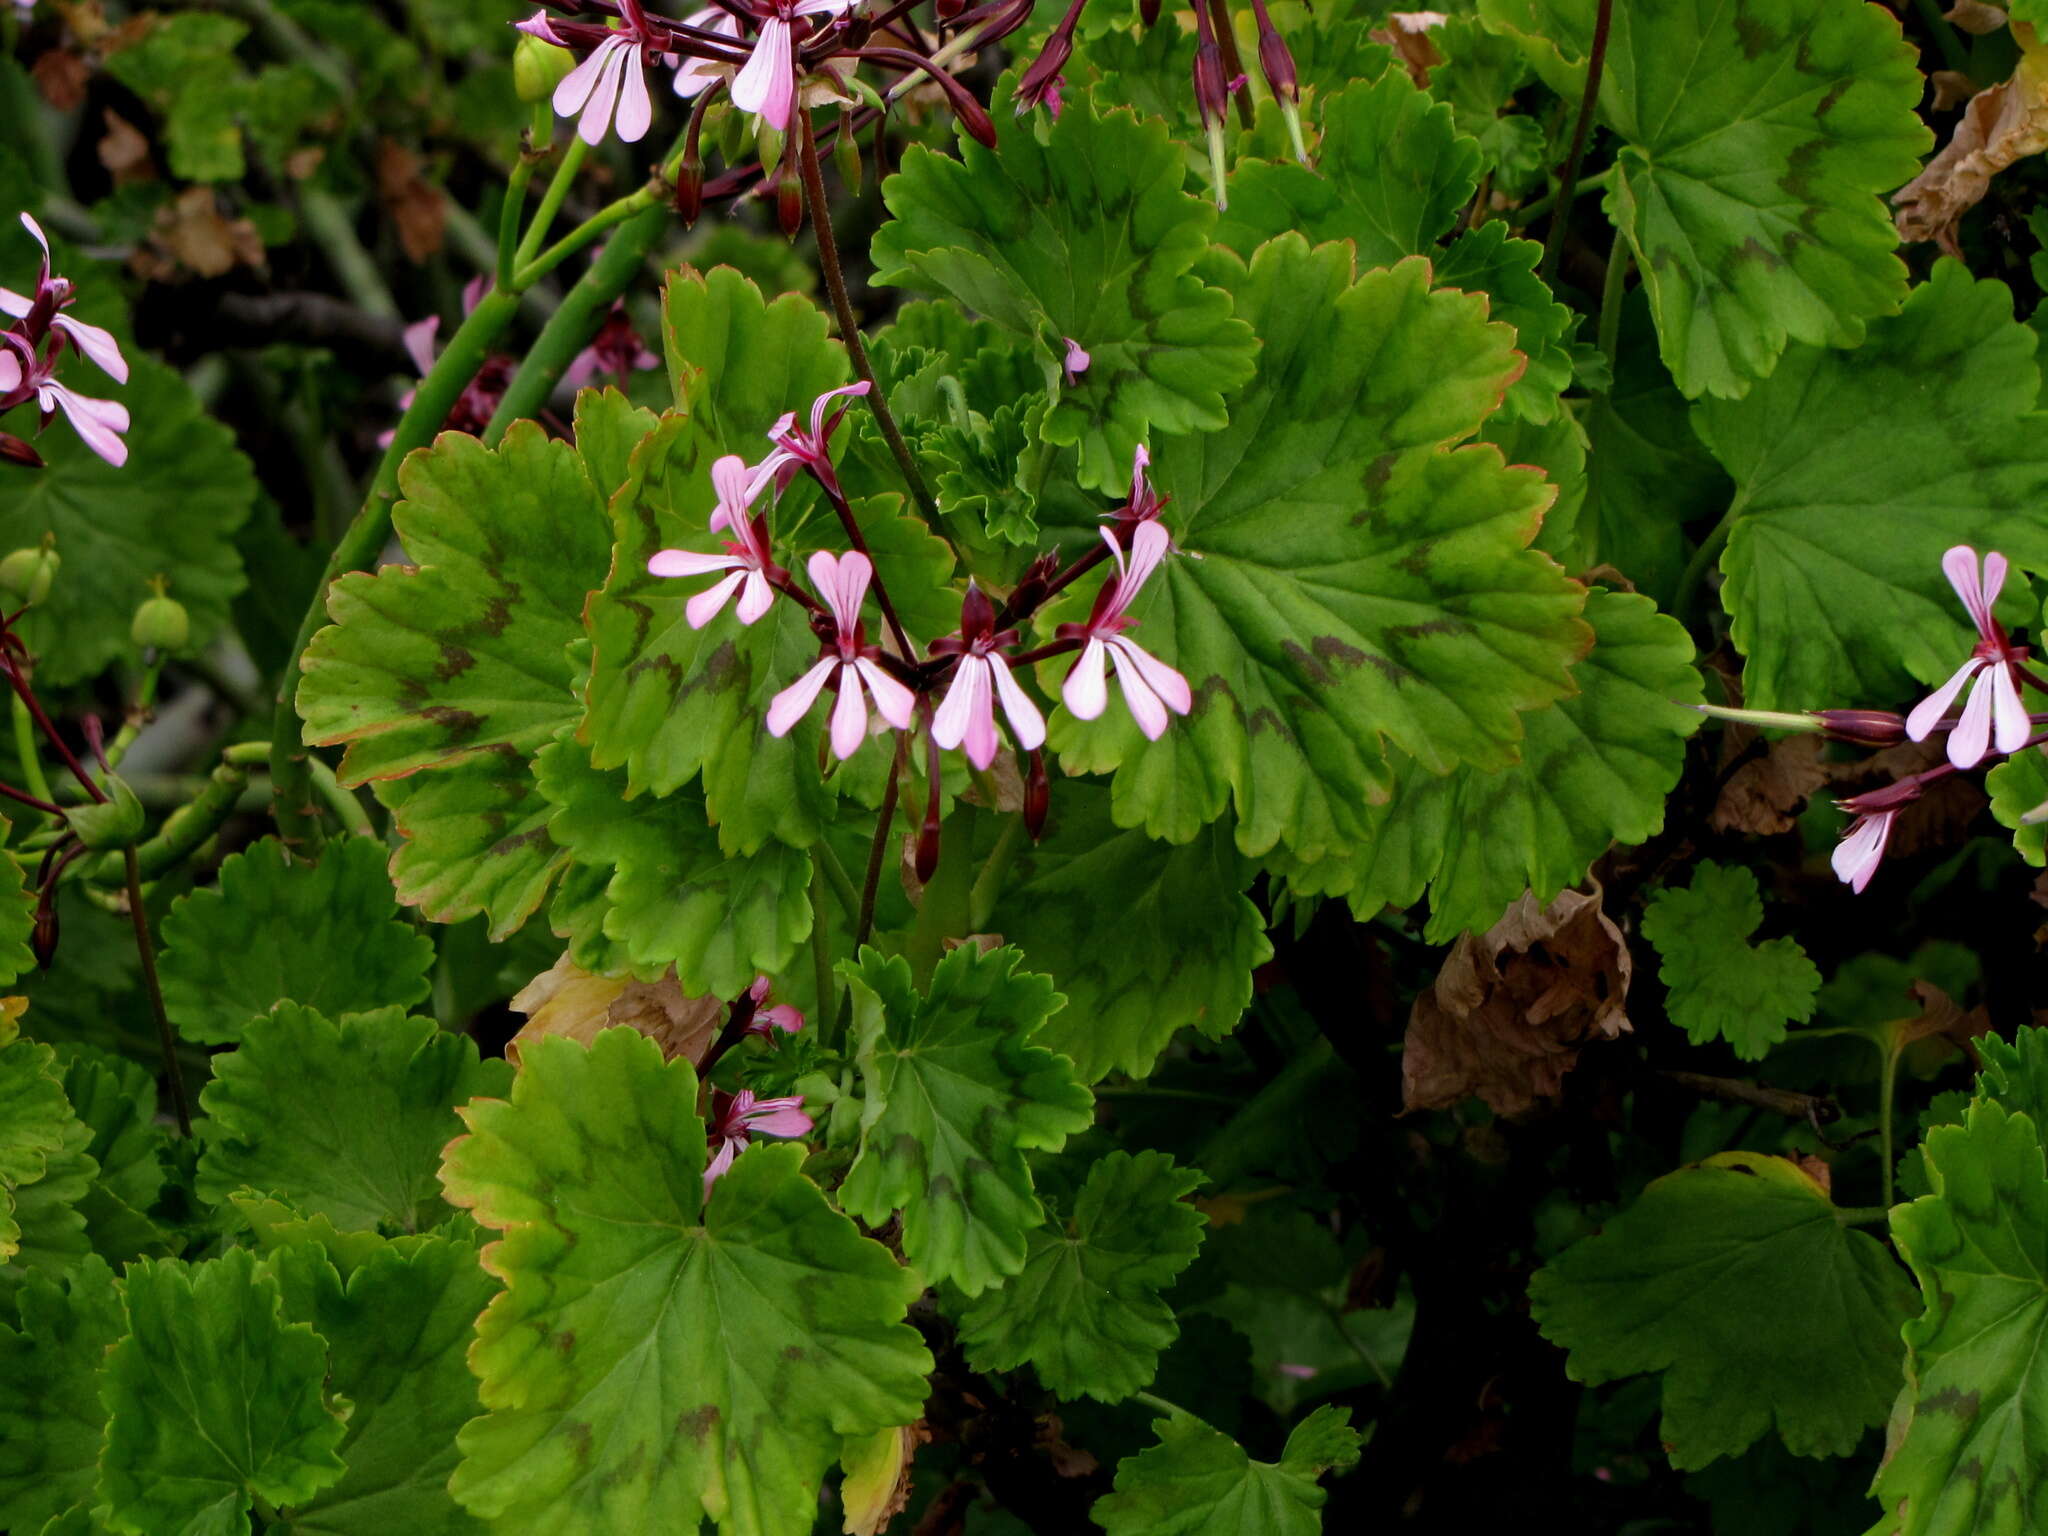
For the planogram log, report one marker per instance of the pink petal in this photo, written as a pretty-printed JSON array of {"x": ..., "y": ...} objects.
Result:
[
  {"x": 849, "y": 717},
  {"x": 795, "y": 701},
  {"x": 2008, "y": 712},
  {"x": 1024, "y": 717},
  {"x": 736, "y": 490},
  {"x": 11, "y": 373},
  {"x": 756, "y": 599},
  {"x": 767, "y": 83},
  {"x": 1142, "y": 702},
  {"x": 576, "y": 86},
  {"x": 1959, "y": 564},
  {"x": 1971, "y": 738},
  {"x": 15, "y": 304},
  {"x": 636, "y": 107},
  {"x": 1994, "y": 583},
  {"x": 28, "y": 223},
  {"x": 1928, "y": 713},
  {"x": 720, "y": 1161},
  {"x": 98, "y": 422},
  {"x": 1149, "y": 546},
  {"x": 1857, "y": 856},
  {"x": 604, "y": 96},
  {"x": 967, "y": 700},
  {"x": 687, "y": 562},
  {"x": 540, "y": 25},
  {"x": 419, "y": 343},
  {"x": 1163, "y": 680},
  {"x": 893, "y": 702},
  {"x": 1086, "y": 690},
  {"x": 818, "y": 408},
  {"x": 783, "y": 1017},
  {"x": 96, "y": 344},
  {"x": 778, "y": 1117},
  {"x": 705, "y": 606},
  {"x": 1077, "y": 359}
]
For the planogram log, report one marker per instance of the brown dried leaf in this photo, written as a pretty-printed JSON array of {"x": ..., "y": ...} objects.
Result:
[
  {"x": 1409, "y": 38},
  {"x": 568, "y": 1000},
  {"x": 2004, "y": 123},
  {"x": 1510, "y": 1009},
  {"x": 61, "y": 76},
  {"x": 1951, "y": 89},
  {"x": 1766, "y": 794},
  {"x": 877, "y": 1483},
  {"x": 124, "y": 151},
  {"x": 189, "y": 235},
  {"x": 415, "y": 205},
  {"x": 1974, "y": 17},
  {"x": 1941, "y": 1015}
]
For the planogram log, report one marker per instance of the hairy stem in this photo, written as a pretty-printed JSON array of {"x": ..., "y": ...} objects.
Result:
[
  {"x": 878, "y": 852},
  {"x": 849, "y": 328},
  {"x": 1568, "y": 183},
  {"x": 147, "y": 951},
  {"x": 551, "y": 200}
]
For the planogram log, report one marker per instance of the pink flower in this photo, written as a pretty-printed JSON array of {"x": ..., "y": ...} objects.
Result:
[
  {"x": 1076, "y": 362},
  {"x": 766, "y": 83},
  {"x": 739, "y": 1117},
  {"x": 23, "y": 373},
  {"x": 1150, "y": 686},
  {"x": 611, "y": 84},
  {"x": 1145, "y": 503},
  {"x": 967, "y": 714},
  {"x": 746, "y": 558},
  {"x": 542, "y": 26},
  {"x": 45, "y": 307},
  {"x": 694, "y": 74},
  {"x": 1994, "y": 710},
  {"x": 767, "y": 1020},
  {"x": 796, "y": 449},
  {"x": 616, "y": 350},
  {"x": 1862, "y": 847},
  {"x": 849, "y": 663}
]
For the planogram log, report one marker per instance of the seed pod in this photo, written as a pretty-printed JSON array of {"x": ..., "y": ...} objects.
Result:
[
  {"x": 161, "y": 623},
  {"x": 1865, "y": 727},
  {"x": 789, "y": 203},
  {"x": 26, "y": 574},
  {"x": 114, "y": 822},
  {"x": 846, "y": 154}
]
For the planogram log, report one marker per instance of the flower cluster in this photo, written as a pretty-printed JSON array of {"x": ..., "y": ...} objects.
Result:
[
  {"x": 966, "y": 679},
  {"x": 34, "y": 348}
]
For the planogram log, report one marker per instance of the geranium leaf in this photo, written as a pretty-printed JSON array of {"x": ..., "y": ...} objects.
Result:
[
  {"x": 1188, "y": 938},
  {"x": 398, "y": 1328},
  {"x": 673, "y": 897},
  {"x": 1757, "y": 146},
  {"x": 669, "y": 703},
  {"x": 608, "y": 428},
  {"x": 344, "y": 1120},
  {"x": 1595, "y": 770},
  {"x": 17, "y": 918},
  {"x": 213, "y": 1401},
  {"x": 955, "y": 1093},
  {"x": 1199, "y": 1482},
  {"x": 1488, "y": 260},
  {"x": 1086, "y": 236},
  {"x": 1085, "y": 1312},
  {"x": 1392, "y": 174},
  {"x": 459, "y": 661},
  {"x": 1721, "y": 986},
  {"x": 1821, "y": 454},
  {"x": 51, "y": 1418},
  {"x": 655, "y": 1353},
  {"x": 1738, "y": 1279},
  {"x": 2019, "y": 785},
  {"x": 327, "y": 935},
  {"x": 44, "y": 1168},
  {"x": 115, "y": 1099},
  {"x": 1346, "y": 581},
  {"x": 171, "y": 511},
  {"x": 2015, "y": 1072},
  {"x": 1964, "y": 1453},
  {"x": 738, "y": 362}
]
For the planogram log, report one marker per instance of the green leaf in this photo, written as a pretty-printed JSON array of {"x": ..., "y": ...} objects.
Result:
[
  {"x": 955, "y": 1094},
  {"x": 1392, "y": 175},
  {"x": 345, "y": 1120},
  {"x": 2019, "y": 785},
  {"x": 398, "y": 1328},
  {"x": 17, "y": 917},
  {"x": 669, "y": 703},
  {"x": 2015, "y": 1072},
  {"x": 326, "y": 935},
  {"x": 1187, "y": 937},
  {"x": 1197, "y": 1482},
  {"x": 1821, "y": 453},
  {"x": 1084, "y": 236},
  {"x": 171, "y": 510},
  {"x": 1355, "y": 584},
  {"x": 1487, "y": 260},
  {"x": 672, "y": 896},
  {"x": 608, "y": 428},
  {"x": 213, "y": 1401},
  {"x": 1595, "y": 770},
  {"x": 35, "y": 1116},
  {"x": 737, "y": 362},
  {"x": 1964, "y": 1450},
  {"x": 50, "y": 1414},
  {"x": 653, "y": 1353},
  {"x": 1758, "y": 144},
  {"x": 1721, "y": 985},
  {"x": 474, "y": 839},
  {"x": 116, "y": 1100},
  {"x": 1085, "y": 1312},
  {"x": 1738, "y": 1279}
]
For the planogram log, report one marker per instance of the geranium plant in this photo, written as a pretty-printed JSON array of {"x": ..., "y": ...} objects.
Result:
[{"x": 830, "y": 765}]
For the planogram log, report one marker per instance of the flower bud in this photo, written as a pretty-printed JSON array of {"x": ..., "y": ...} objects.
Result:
[
  {"x": 15, "y": 450},
  {"x": 42, "y": 939},
  {"x": 688, "y": 198},
  {"x": 115, "y": 822},
  {"x": 538, "y": 67},
  {"x": 26, "y": 574},
  {"x": 1865, "y": 727},
  {"x": 846, "y": 154},
  {"x": 161, "y": 623},
  {"x": 928, "y": 848},
  {"x": 1037, "y": 796},
  {"x": 948, "y": 9},
  {"x": 1040, "y": 83},
  {"x": 1148, "y": 11},
  {"x": 768, "y": 143},
  {"x": 789, "y": 203}
]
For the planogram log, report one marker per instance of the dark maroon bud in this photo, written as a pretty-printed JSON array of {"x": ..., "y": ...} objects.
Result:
[
  {"x": 15, "y": 450},
  {"x": 947, "y": 10},
  {"x": 1865, "y": 727},
  {"x": 1037, "y": 796},
  {"x": 1045, "y": 70},
  {"x": 789, "y": 202},
  {"x": 928, "y": 848},
  {"x": 977, "y": 614},
  {"x": 975, "y": 120},
  {"x": 689, "y": 194},
  {"x": 1275, "y": 61},
  {"x": 1212, "y": 92},
  {"x": 1148, "y": 11},
  {"x": 43, "y": 937},
  {"x": 1890, "y": 796}
]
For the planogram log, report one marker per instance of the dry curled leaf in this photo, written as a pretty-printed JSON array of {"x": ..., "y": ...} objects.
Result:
[
  {"x": 1951, "y": 89},
  {"x": 567, "y": 1000},
  {"x": 125, "y": 151},
  {"x": 1941, "y": 1015},
  {"x": 1766, "y": 794},
  {"x": 61, "y": 77},
  {"x": 1974, "y": 17},
  {"x": 189, "y": 235},
  {"x": 877, "y": 1483},
  {"x": 1408, "y": 35},
  {"x": 416, "y": 206},
  {"x": 1510, "y": 1009},
  {"x": 2003, "y": 123}
]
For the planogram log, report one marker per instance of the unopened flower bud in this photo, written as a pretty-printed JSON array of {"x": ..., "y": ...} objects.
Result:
[
  {"x": 538, "y": 67},
  {"x": 948, "y": 9},
  {"x": 26, "y": 574},
  {"x": 42, "y": 939},
  {"x": 161, "y": 623},
  {"x": 1865, "y": 727},
  {"x": 115, "y": 822},
  {"x": 928, "y": 848},
  {"x": 16, "y": 450},
  {"x": 789, "y": 203},
  {"x": 846, "y": 154},
  {"x": 1148, "y": 11},
  {"x": 768, "y": 143},
  {"x": 1040, "y": 83},
  {"x": 1037, "y": 796},
  {"x": 688, "y": 198}
]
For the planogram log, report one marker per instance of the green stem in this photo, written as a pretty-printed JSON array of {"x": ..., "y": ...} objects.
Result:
[
  {"x": 837, "y": 877},
  {"x": 365, "y": 537},
  {"x": 878, "y": 851},
  {"x": 147, "y": 951},
  {"x": 1953, "y": 54},
  {"x": 1582, "y": 128},
  {"x": 328, "y": 222},
  {"x": 25, "y": 749},
  {"x": 607, "y": 217},
  {"x": 551, "y": 200},
  {"x": 1612, "y": 291},
  {"x": 576, "y": 320},
  {"x": 1358, "y": 1348},
  {"x": 1695, "y": 573},
  {"x": 1862, "y": 1215},
  {"x": 1159, "y": 1404},
  {"x": 1528, "y": 213},
  {"x": 514, "y": 206},
  {"x": 145, "y": 699},
  {"x": 1887, "y": 1085},
  {"x": 988, "y": 885},
  {"x": 183, "y": 833},
  {"x": 821, "y": 940}
]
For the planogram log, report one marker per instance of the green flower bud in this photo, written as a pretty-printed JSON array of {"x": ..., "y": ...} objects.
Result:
[
  {"x": 538, "y": 67},
  {"x": 116, "y": 822},
  {"x": 161, "y": 623},
  {"x": 768, "y": 142},
  {"x": 26, "y": 574}
]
